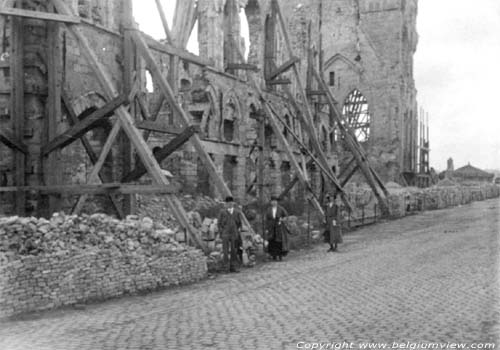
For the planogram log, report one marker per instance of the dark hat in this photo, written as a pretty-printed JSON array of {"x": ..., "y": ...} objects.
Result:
[
  {"x": 229, "y": 199},
  {"x": 275, "y": 198}
]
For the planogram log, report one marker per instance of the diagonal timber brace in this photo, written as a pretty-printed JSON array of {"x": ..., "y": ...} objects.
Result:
[
  {"x": 374, "y": 182},
  {"x": 182, "y": 115},
  {"x": 125, "y": 120},
  {"x": 80, "y": 128}
]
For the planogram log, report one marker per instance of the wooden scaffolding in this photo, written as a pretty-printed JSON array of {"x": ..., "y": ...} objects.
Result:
[{"x": 126, "y": 107}]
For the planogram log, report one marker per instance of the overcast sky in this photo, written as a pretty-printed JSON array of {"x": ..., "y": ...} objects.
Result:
[{"x": 457, "y": 73}]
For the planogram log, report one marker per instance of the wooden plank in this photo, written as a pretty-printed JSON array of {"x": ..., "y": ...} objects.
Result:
[
  {"x": 94, "y": 174},
  {"x": 39, "y": 15},
  {"x": 315, "y": 93},
  {"x": 17, "y": 105},
  {"x": 83, "y": 126},
  {"x": 278, "y": 82},
  {"x": 107, "y": 189},
  {"x": 354, "y": 147},
  {"x": 163, "y": 153},
  {"x": 130, "y": 80},
  {"x": 345, "y": 169},
  {"x": 183, "y": 117},
  {"x": 164, "y": 22},
  {"x": 306, "y": 110},
  {"x": 289, "y": 187},
  {"x": 283, "y": 68},
  {"x": 127, "y": 123},
  {"x": 242, "y": 66},
  {"x": 172, "y": 50},
  {"x": 348, "y": 176},
  {"x": 159, "y": 127},
  {"x": 52, "y": 175},
  {"x": 9, "y": 140},
  {"x": 72, "y": 120}
]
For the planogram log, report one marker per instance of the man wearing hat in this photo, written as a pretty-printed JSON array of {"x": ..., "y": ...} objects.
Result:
[
  {"x": 229, "y": 225},
  {"x": 333, "y": 232},
  {"x": 276, "y": 232}
]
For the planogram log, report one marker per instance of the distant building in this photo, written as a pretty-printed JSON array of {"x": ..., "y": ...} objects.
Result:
[
  {"x": 470, "y": 173},
  {"x": 450, "y": 166}
]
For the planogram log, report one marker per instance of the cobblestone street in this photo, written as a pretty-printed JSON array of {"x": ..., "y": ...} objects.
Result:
[{"x": 432, "y": 277}]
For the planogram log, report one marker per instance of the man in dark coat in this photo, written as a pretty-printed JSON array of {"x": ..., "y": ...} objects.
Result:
[
  {"x": 333, "y": 231},
  {"x": 276, "y": 232},
  {"x": 229, "y": 225}
]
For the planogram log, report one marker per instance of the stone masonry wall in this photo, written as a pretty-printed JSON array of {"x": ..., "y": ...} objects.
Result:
[{"x": 67, "y": 260}]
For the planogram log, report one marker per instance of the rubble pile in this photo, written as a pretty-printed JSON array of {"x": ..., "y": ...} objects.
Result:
[
  {"x": 445, "y": 194},
  {"x": 72, "y": 259},
  {"x": 70, "y": 233}
]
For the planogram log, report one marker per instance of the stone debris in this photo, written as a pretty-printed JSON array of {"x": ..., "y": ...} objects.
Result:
[
  {"x": 70, "y": 233},
  {"x": 71, "y": 259}
]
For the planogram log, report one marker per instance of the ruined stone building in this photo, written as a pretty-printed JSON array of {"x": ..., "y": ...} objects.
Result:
[{"x": 364, "y": 49}]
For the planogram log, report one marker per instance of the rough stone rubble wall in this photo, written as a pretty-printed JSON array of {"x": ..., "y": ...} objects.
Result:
[
  {"x": 75, "y": 259},
  {"x": 407, "y": 200},
  {"x": 35, "y": 283}
]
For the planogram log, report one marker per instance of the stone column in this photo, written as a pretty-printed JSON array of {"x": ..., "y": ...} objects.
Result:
[{"x": 211, "y": 30}]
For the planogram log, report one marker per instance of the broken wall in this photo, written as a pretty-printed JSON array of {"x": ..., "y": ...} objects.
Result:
[{"x": 104, "y": 20}]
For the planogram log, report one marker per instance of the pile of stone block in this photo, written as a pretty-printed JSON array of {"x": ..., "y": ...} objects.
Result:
[{"x": 72, "y": 259}]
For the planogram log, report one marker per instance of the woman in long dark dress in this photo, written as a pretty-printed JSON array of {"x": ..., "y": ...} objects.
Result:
[
  {"x": 333, "y": 227},
  {"x": 277, "y": 235}
]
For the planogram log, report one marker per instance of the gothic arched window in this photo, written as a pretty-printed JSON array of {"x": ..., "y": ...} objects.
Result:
[{"x": 356, "y": 115}]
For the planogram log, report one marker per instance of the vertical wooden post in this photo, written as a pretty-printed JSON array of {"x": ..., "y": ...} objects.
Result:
[
  {"x": 54, "y": 66},
  {"x": 129, "y": 201},
  {"x": 17, "y": 105},
  {"x": 261, "y": 165}
]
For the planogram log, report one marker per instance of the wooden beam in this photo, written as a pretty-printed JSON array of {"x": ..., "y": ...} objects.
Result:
[
  {"x": 73, "y": 119},
  {"x": 39, "y": 15},
  {"x": 279, "y": 82},
  {"x": 145, "y": 112},
  {"x": 242, "y": 66},
  {"x": 163, "y": 153},
  {"x": 345, "y": 169},
  {"x": 83, "y": 126},
  {"x": 182, "y": 117},
  {"x": 283, "y": 68},
  {"x": 126, "y": 121},
  {"x": 17, "y": 105},
  {"x": 348, "y": 176},
  {"x": 354, "y": 147},
  {"x": 172, "y": 50},
  {"x": 289, "y": 187},
  {"x": 315, "y": 93},
  {"x": 159, "y": 127},
  {"x": 9, "y": 140},
  {"x": 130, "y": 79},
  {"x": 93, "y": 189},
  {"x": 51, "y": 174},
  {"x": 305, "y": 112},
  {"x": 164, "y": 22}
]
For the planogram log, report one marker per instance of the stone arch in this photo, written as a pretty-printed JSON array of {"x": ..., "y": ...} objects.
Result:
[
  {"x": 89, "y": 100},
  {"x": 212, "y": 125},
  {"x": 83, "y": 106},
  {"x": 231, "y": 118},
  {"x": 255, "y": 27},
  {"x": 324, "y": 137}
]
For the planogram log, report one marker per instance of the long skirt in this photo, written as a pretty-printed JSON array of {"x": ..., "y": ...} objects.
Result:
[
  {"x": 336, "y": 234},
  {"x": 275, "y": 248}
]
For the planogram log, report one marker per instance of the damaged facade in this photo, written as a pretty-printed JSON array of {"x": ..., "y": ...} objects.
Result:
[{"x": 364, "y": 48}]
